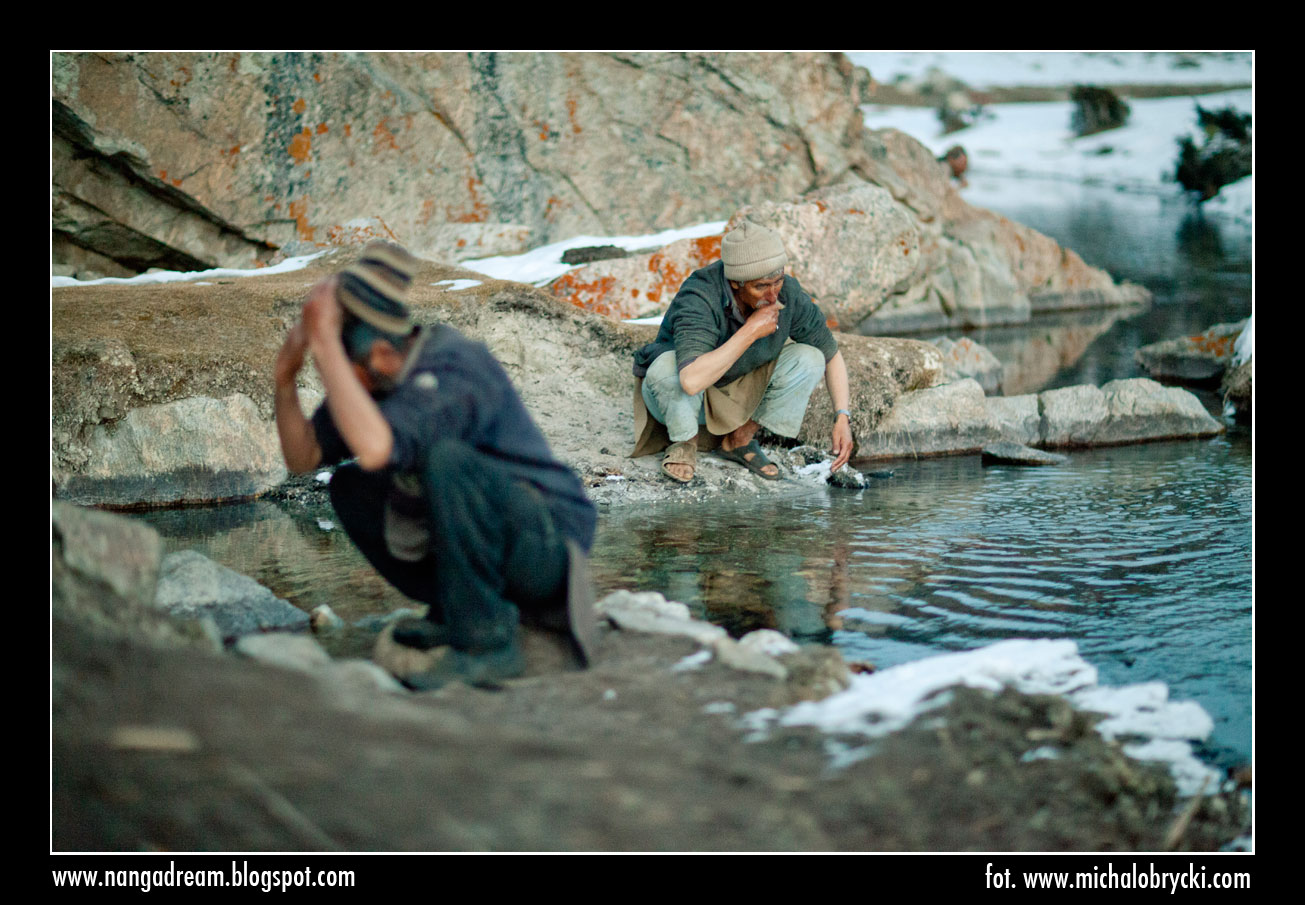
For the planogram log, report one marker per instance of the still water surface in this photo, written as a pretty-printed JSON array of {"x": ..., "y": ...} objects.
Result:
[{"x": 1140, "y": 554}]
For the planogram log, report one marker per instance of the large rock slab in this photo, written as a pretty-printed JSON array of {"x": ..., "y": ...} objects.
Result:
[
  {"x": 195, "y": 450},
  {"x": 849, "y": 245},
  {"x": 1122, "y": 411},
  {"x": 227, "y": 158},
  {"x": 891, "y": 248},
  {"x": 957, "y": 418},
  {"x": 943, "y": 420}
]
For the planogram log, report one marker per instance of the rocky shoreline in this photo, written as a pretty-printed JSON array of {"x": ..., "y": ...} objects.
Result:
[
  {"x": 165, "y": 739},
  {"x": 192, "y": 711}
]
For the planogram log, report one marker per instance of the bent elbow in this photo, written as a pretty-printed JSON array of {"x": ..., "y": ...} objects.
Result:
[
  {"x": 374, "y": 456},
  {"x": 372, "y": 460}
]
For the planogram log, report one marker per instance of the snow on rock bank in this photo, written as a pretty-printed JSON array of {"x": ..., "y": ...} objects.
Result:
[{"x": 879, "y": 703}]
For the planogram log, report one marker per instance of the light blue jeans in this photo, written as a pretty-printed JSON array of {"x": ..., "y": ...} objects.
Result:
[{"x": 797, "y": 371}]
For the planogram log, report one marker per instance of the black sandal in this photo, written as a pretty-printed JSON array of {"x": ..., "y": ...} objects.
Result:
[{"x": 754, "y": 462}]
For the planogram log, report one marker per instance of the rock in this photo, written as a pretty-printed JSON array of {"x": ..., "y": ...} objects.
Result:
[
  {"x": 1197, "y": 359},
  {"x": 324, "y": 619},
  {"x": 104, "y": 572},
  {"x": 118, "y": 554},
  {"x": 195, "y": 450},
  {"x": 285, "y": 651},
  {"x": 748, "y": 659},
  {"x": 769, "y": 642},
  {"x": 649, "y": 611},
  {"x": 638, "y": 285},
  {"x": 590, "y": 253},
  {"x": 956, "y": 418},
  {"x": 890, "y": 248},
  {"x": 1017, "y": 454},
  {"x": 947, "y": 419},
  {"x": 193, "y": 586},
  {"x": 1016, "y": 419},
  {"x": 1096, "y": 110},
  {"x": 849, "y": 245},
  {"x": 192, "y": 160},
  {"x": 815, "y": 672},
  {"x": 1236, "y": 390},
  {"x": 966, "y": 358},
  {"x": 847, "y": 478},
  {"x": 1122, "y": 411}
]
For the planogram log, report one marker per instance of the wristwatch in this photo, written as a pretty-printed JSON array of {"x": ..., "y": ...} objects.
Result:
[{"x": 838, "y": 412}]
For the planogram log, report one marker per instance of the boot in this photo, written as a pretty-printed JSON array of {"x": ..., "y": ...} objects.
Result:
[
  {"x": 481, "y": 668},
  {"x": 420, "y": 633}
]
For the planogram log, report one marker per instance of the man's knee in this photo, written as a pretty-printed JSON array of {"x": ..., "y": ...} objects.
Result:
[
  {"x": 799, "y": 364},
  {"x": 664, "y": 375}
]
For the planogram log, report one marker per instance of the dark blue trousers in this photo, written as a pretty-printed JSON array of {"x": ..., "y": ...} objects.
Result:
[{"x": 493, "y": 549}]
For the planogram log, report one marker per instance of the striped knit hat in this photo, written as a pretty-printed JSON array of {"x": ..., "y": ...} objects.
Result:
[
  {"x": 375, "y": 288},
  {"x": 751, "y": 252}
]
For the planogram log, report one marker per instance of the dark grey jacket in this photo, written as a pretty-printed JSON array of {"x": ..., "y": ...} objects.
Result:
[{"x": 702, "y": 317}]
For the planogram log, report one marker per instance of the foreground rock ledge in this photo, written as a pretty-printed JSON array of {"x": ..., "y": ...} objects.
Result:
[{"x": 160, "y": 742}]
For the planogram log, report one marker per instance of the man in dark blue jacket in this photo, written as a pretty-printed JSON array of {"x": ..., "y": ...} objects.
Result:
[
  {"x": 454, "y": 495},
  {"x": 722, "y": 364}
]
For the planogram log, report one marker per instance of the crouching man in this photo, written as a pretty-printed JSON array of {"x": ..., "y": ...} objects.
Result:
[
  {"x": 454, "y": 496},
  {"x": 723, "y": 363}
]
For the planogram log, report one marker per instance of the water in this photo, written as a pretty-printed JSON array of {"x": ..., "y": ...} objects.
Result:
[{"x": 1140, "y": 554}]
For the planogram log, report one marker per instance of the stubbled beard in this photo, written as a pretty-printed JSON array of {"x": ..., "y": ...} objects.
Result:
[{"x": 382, "y": 385}]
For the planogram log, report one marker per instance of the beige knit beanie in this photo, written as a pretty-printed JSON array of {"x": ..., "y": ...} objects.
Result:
[
  {"x": 375, "y": 288},
  {"x": 751, "y": 252}
]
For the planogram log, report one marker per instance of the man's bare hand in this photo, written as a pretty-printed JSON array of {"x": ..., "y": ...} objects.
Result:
[
  {"x": 290, "y": 359},
  {"x": 322, "y": 313},
  {"x": 842, "y": 443},
  {"x": 764, "y": 321}
]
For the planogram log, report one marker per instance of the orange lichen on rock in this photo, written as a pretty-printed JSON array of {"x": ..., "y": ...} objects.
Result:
[
  {"x": 384, "y": 136},
  {"x": 360, "y": 233},
  {"x": 637, "y": 287},
  {"x": 299, "y": 106},
  {"x": 299, "y": 211},
  {"x": 301, "y": 146},
  {"x": 587, "y": 294},
  {"x": 322, "y": 129},
  {"x": 1221, "y": 346},
  {"x": 479, "y": 209},
  {"x": 708, "y": 248}
]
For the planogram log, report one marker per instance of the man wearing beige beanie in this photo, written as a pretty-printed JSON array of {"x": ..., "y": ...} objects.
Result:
[
  {"x": 443, "y": 481},
  {"x": 741, "y": 347}
]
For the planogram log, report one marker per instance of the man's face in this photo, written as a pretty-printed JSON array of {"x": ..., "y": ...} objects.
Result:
[{"x": 759, "y": 293}]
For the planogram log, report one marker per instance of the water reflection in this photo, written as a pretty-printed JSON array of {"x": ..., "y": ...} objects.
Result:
[{"x": 1140, "y": 554}]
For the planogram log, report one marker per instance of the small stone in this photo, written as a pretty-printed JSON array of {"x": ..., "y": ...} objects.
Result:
[
  {"x": 848, "y": 478},
  {"x": 324, "y": 619},
  {"x": 1018, "y": 454}
]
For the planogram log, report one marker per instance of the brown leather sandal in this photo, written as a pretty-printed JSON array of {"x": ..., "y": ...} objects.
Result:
[{"x": 683, "y": 453}]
